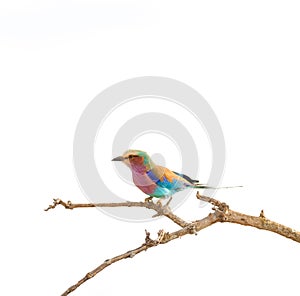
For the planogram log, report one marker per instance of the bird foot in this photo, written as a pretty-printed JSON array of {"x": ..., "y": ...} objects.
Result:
[{"x": 149, "y": 199}]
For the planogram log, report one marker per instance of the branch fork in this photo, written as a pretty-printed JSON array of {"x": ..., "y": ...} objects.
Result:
[{"x": 220, "y": 213}]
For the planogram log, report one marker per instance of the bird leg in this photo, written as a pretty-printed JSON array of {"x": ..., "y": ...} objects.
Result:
[
  {"x": 170, "y": 199},
  {"x": 149, "y": 199}
]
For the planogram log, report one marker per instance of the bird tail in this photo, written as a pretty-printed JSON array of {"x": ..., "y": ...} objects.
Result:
[{"x": 203, "y": 186}]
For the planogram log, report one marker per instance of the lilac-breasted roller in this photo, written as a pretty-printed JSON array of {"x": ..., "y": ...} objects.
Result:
[{"x": 155, "y": 180}]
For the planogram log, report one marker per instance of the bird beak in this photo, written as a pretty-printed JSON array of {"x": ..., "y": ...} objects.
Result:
[{"x": 119, "y": 158}]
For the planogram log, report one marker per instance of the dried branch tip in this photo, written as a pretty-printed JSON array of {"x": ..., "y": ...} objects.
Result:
[{"x": 57, "y": 201}]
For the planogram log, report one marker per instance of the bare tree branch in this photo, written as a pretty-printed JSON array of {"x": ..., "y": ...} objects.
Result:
[
  {"x": 129, "y": 254},
  {"x": 221, "y": 213},
  {"x": 161, "y": 210},
  {"x": 260, "y": 222}
]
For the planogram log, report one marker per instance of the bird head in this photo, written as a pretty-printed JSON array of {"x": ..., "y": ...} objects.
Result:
[{"x": 136, "y": 160}]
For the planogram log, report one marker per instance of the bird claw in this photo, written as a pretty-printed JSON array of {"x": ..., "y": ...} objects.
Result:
[{"x": 149, "y": 199}]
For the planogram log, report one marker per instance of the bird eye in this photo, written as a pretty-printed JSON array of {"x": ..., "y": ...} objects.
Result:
[{"x": 130, "y": 156}]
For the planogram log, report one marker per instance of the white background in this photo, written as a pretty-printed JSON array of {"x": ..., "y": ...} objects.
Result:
[{"x": 56, "y": 56}]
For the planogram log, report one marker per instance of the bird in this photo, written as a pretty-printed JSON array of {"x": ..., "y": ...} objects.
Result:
[{"x": 154, "y": 180}]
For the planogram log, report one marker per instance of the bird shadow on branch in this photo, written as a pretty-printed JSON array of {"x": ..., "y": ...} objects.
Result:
[{"x": 220, "y": 213}]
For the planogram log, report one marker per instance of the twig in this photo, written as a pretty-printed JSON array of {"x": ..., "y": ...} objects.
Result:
[
  {"x": 163, "y": 238},
  {"x": 160, "y": 209},
  {"x": 221, "y": 213},
  {"x": 149, "y": 243}
]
